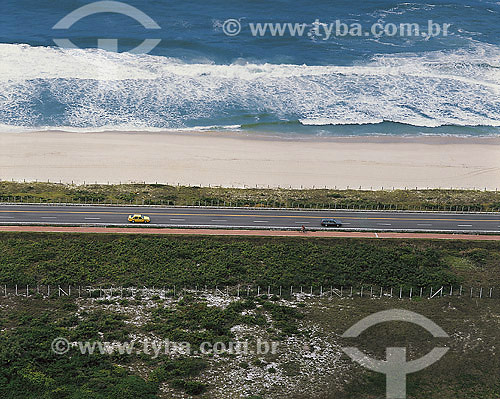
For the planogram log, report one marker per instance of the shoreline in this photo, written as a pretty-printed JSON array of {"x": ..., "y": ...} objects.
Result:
[
  {"x": 287, "y": 137},
  {"x": 226, "y": 158}
]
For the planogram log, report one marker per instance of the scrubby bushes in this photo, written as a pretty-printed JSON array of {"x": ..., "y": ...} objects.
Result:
[
  {"x": 30, "y": 370},
  {"x": 433, "y": 199},
  {"x": 195, "y": 322},
  {"x": 132, "y": 260}
]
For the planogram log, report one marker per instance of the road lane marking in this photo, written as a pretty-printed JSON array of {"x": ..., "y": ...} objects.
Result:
[
  {"x": 49, "y": 217},
  {"x": 6, "y": 217},
  {"x": 178, "y": 220},
  {"x": 424, "y": 224},
  {"x": 384, "y": 224},
  {"x": 92, "y": 218},
  {"x": 256, "y": 215},
  {"x": 261, "y": 221},
  {"x": 302, "y": 222},
  {"x": 219, "y": 220},
  {"x": 464, "y": 225}
]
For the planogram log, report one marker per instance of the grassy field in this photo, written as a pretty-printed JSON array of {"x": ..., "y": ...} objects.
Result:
[
  {"x": 137, "y": 260},
  {"x": 157, "y": 194}
]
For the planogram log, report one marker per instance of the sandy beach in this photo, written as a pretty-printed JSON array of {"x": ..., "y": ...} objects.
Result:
[{"x": 239, "y": 160}]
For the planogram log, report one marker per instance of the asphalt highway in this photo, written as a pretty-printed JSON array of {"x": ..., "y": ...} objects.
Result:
[{"x": 249, "y": 218}]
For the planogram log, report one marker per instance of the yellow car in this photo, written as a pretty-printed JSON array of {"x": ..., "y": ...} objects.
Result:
[{"x": 138, "y": 219}]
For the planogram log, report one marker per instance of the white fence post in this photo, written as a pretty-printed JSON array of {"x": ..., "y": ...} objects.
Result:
[{"x": 439, "y": 291}]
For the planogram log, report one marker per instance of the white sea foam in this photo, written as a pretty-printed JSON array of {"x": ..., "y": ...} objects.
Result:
[
  {"x": 21, "y": 62},
  {"x": 97, "y": 90},
  {"x": 345, "y": 121},
  {"x": 114, "y": 128}
]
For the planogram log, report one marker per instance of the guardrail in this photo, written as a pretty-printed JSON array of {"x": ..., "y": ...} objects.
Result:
[{"x": 331, "y": 206}]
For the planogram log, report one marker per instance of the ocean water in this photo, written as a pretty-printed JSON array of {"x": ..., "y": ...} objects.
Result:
[{"x": 199, "y": 78}]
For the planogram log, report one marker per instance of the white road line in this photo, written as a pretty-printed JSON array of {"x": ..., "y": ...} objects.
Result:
[
  {"x": 384, "y": 224},
  {"x": 261, "y": 221},
  {"x": 464, "y": 225},
  {"x": 424, "y": 224},
  {"x": 178, "y": 220},
  {"x": 302, "y": 222},
  {"x": 49, "y": 217},
  {"x": 219, "y": 220},
  {"x": 6, "y": 217},
  {"x": 92, "y": 218}
]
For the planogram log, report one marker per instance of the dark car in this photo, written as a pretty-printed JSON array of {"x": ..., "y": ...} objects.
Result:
[{"x": 331, "y": 223}]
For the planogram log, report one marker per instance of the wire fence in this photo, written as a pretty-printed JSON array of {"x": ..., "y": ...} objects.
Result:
[{"x": 242, "y": 291}]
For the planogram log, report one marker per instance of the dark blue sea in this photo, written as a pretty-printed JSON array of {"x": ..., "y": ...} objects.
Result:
[{"x": 200, "y": 77}]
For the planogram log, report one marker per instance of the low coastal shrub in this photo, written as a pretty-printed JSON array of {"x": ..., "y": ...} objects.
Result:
[
  {"x": 160, "y": 194},
  {"x": 196, "y": 322},
  {"x": 30, "y": 370},
  {"x": 135, "y": 260}
]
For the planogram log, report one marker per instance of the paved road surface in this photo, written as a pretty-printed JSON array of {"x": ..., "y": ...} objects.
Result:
[{"x": 249, "y": 218}]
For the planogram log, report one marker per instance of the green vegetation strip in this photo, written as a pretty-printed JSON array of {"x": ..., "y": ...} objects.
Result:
[
  {"x": 30, "y": 369},
  {"x": 137, "y": 260},
  {"x": 158, "y": 194}
]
